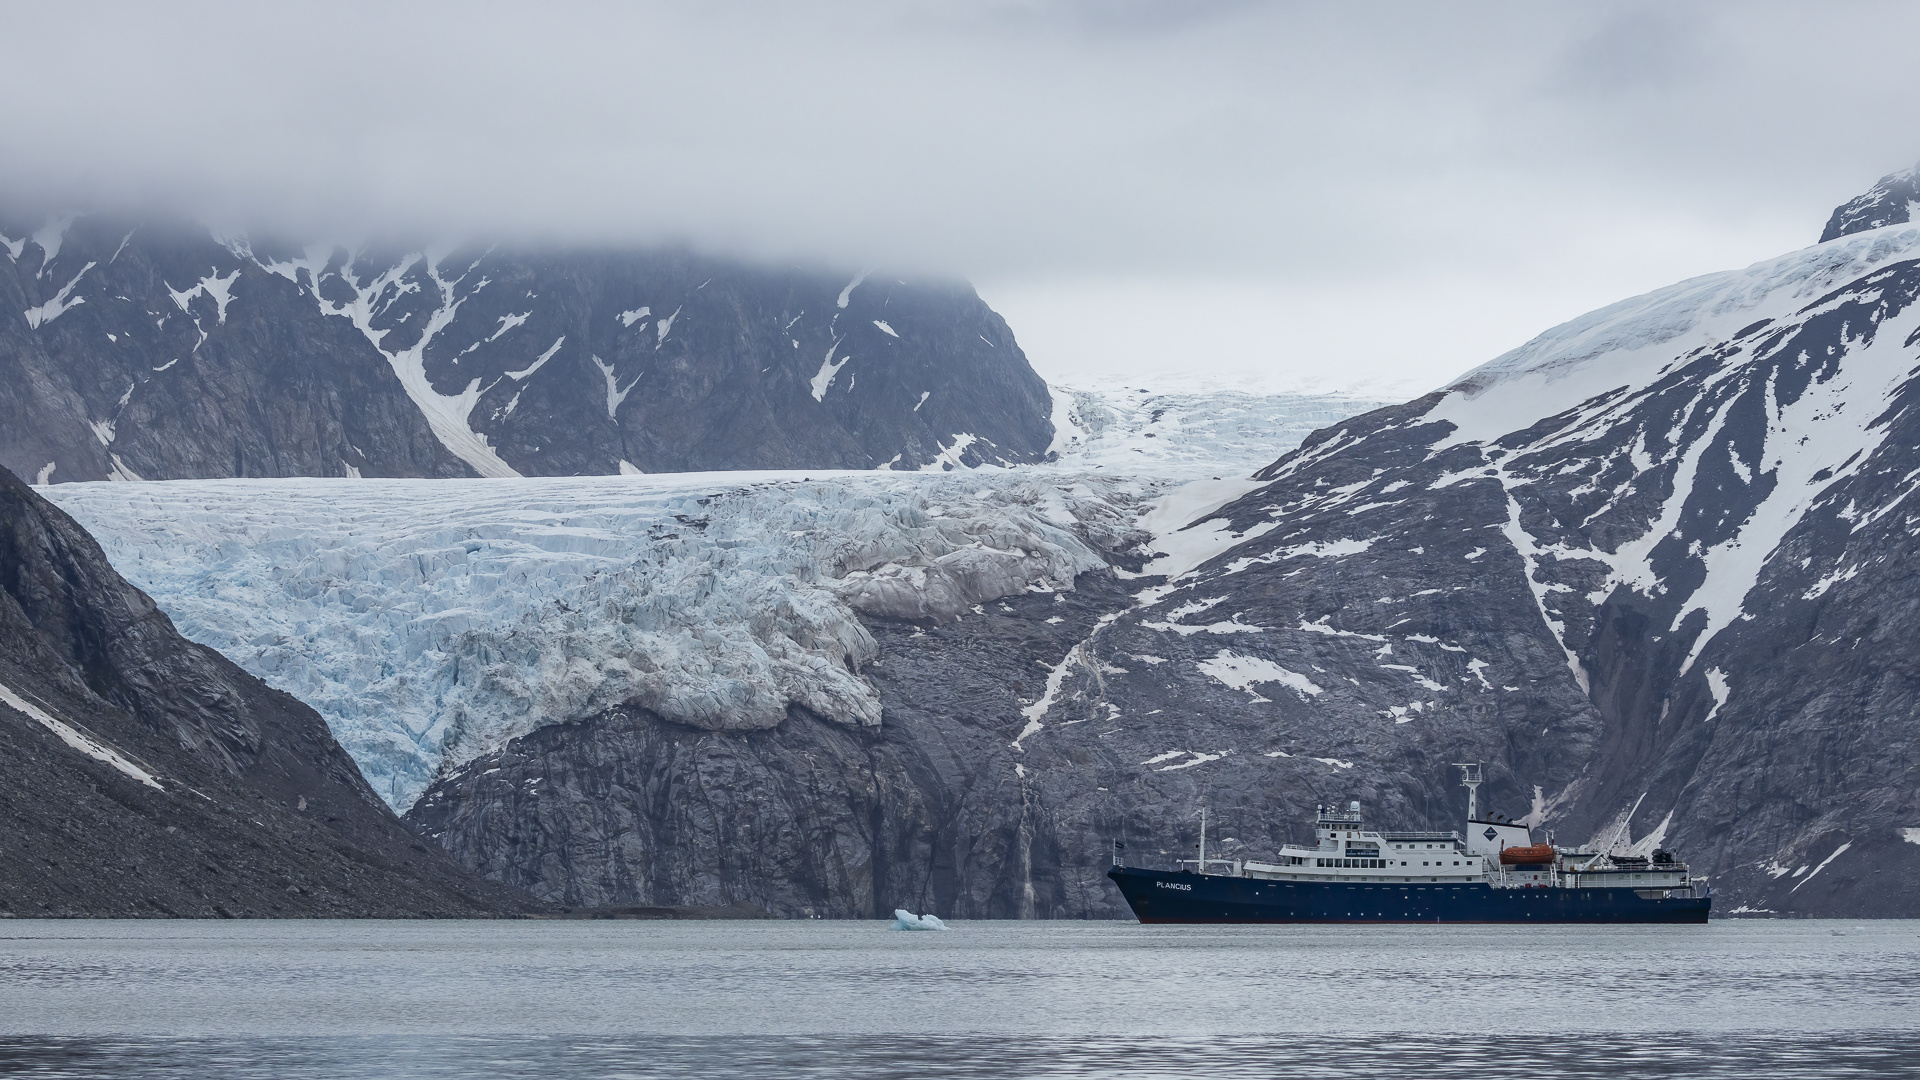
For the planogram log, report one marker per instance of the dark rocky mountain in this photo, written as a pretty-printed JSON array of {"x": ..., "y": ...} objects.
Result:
[
  {"x": 149, "y": 349},
  {"x": 1649, "y": 568},
  {"x": 1889, "y": 202},
  {"x": 143, "y": 775}
]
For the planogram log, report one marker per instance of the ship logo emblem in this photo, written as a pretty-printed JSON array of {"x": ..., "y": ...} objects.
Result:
[{"x": 1489, "y": 834}]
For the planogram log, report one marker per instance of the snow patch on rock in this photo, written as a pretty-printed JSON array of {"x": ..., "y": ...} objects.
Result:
[{"x": 1243, "y": 672}]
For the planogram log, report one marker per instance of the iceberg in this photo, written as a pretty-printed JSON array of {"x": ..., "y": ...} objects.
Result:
[{"x": 907, "y": 920}]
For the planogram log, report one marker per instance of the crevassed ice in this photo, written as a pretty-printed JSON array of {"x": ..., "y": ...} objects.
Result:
[
  {"x": 431, "y": 621},
  {"x": 1168, "y": 429}
]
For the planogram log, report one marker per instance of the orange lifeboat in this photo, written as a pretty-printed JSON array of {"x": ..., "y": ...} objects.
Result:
[{"x": 1519, "y": 856}]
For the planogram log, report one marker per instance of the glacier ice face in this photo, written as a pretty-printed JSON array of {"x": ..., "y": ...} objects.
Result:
[
  {"x": 431, "y": 621},
  {"x": 1170, "y": 428}
]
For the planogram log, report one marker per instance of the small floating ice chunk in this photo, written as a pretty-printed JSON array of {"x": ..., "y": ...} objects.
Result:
[{"x": 907, "y": 920}]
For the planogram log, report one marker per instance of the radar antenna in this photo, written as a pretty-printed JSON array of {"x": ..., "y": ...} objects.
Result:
[{"x": 1470, "y": 779}]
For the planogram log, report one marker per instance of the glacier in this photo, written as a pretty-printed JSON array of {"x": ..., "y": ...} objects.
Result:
[
  {"x": 431, "y": 621},
  {"x": 1169, "y": 426}
]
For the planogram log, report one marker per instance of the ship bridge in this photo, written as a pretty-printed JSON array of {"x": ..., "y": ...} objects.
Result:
[{"x": 1346, "y": 850}]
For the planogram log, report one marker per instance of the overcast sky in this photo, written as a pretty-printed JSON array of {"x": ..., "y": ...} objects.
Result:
[{"x": 1333, "y": 195}]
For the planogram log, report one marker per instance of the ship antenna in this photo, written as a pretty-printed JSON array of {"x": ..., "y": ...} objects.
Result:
[
  {"x": 1624, "y": 822},
  {"x": 1470, "y": 779},
  {"x": 1203, "y": 835}
]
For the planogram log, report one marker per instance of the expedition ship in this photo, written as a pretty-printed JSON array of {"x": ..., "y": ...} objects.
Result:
[{"x": 1492, "y": 873}]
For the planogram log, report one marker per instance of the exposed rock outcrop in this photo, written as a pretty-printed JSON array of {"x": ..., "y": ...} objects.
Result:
[{"x": 1889, "y": 202}]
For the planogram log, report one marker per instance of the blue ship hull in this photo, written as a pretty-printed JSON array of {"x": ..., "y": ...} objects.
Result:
[{"x": 1160, "y": 896}]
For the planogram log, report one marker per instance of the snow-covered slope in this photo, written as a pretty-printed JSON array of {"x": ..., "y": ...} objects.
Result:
[{"x": 1730, "y": 405}]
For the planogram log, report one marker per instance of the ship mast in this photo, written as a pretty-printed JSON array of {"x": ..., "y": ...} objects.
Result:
[
  {"x": 1202, "y": 867},
  {"x": 1470, "y": 779}
]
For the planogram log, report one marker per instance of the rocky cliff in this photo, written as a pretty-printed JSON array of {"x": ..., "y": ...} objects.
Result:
[
  {"x": 138, "y": 348},
  {"x": 143, "y": 775}
]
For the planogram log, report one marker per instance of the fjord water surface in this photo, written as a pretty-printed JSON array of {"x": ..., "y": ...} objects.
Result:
[{"x": 774, "y": 999}]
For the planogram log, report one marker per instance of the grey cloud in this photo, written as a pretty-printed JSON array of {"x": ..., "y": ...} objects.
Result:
[{"x": 1313, "y": 143}]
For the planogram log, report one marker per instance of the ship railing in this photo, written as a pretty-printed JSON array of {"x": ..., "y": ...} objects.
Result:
[
  {"x": 1573, "y": 879},
  {"x": 1235, "y": 866},
  {"x": 1577, "y": 866}
]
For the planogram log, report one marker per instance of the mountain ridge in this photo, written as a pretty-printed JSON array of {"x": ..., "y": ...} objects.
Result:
[{"x": 157, "y": 350}]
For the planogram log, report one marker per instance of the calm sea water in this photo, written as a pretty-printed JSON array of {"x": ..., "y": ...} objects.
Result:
[{"x": 297, "y": 1000}]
